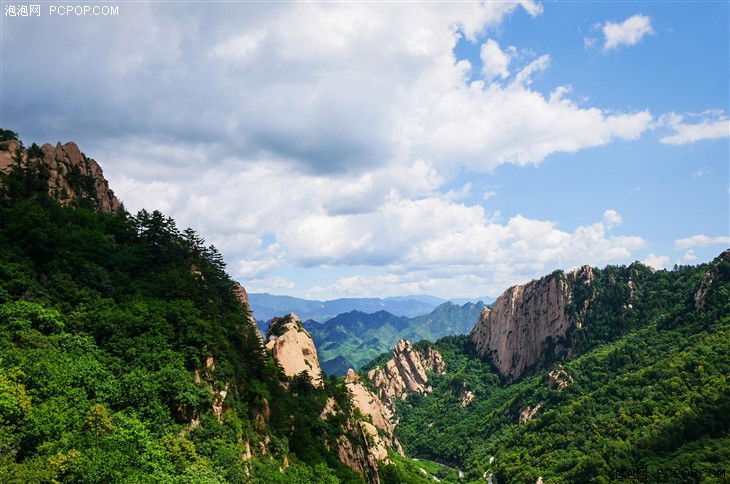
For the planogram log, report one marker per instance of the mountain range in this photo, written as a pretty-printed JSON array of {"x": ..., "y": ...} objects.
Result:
[
  {"x": 352, "y": 339},
  {"x": 125, "y": 342},
  {"x": 267, "y": 306}
]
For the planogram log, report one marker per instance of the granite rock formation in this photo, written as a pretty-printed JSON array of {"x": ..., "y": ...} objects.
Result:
[
  {"x": 527, "y": 319},
  {"x": 73, "y": 177},
  {"x": 293, "y": 348},
  {"x": 405, "y": 372}
]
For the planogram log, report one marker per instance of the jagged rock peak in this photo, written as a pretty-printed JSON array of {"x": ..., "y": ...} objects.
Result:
[
  {"x": 370, "y": 403},
  {"x": 242, "y": 296},
  {"x": 405, "y": 372},
  {"x": 514, "y": 332},
  {"x": 293, "y": 348},
  {"x": 378, "y": 435},
  {"x": 73, "y": 176},
  {"x": 708, "y": 278}
]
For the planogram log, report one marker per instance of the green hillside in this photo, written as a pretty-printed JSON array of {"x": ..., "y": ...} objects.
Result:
[
  {"x": 352, "y": 339},
  {"x": 125, "y": 355},
  {"x": 649, "y": 390}
]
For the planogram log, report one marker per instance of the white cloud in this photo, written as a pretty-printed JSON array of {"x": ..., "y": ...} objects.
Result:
[
  {"x": 525, "y": 75},
  {"x": 701, "y": 241},
  {"x": 330, "y": 130},
  {"x": 242, "y": 47},
  {"x": 328, "y": 87},
  {"x": 689, "y": 256},
  {"x": 495, "y": 61},
  {"x": 482, "y": 127},
  {"x": 611, "y": 218},
  {"x": 711, "y": 125},
  {"x": 272, "y": 285},
  {"x": 628, "y": 32},
  {"x": 656, "y": 261}
]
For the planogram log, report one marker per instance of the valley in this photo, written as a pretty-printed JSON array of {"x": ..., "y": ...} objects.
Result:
[{"x": 124, "y": 339}]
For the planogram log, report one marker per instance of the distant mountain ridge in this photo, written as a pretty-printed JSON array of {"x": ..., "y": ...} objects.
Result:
[
  {"x": 352, "y": 339},
  {"x": 267, "y": 306}
]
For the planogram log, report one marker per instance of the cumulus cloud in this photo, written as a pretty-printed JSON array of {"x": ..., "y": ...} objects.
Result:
[
  {"x": 495, "y": 61},
  {"x": 322, "y": 135},
  {"x": 628, "y": 32},
  {"x": 302, "y": 84},
  {"x": 657, "y": 262},
  {"x": 709, "y": 125},
  {"x": 701, "y": 241}
]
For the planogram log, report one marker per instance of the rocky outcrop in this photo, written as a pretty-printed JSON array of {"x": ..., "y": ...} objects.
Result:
[
  {"x": 466, "y": 397},
  {"x": 378, "y": 435},
  {"x": 365, "y": 442},
  {"x": 242, "y": 296},
  {"x": 708, "y": 278},
  {"x": 73, "y": 177},
  {"x": 357, "y": 458},
  {"x": 406, "y": 371},
  {"x": 529, "y": 412},
  {"x": 559, "y": 379},
  {"x": 528, "y": 319},
  {"x": 293, "y": 348},
  {"x": 369, "y": 403}
]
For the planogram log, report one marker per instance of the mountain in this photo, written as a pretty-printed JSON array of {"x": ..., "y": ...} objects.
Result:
[
  {"x": 529, "y": 321},
  {"x": 580, "y": 376},
  {"x": 267, "y": 306},
  {"x": 124, "y": 341},
  {"x": 352, "y": 339},
  {"x": 69, "y": 177},
  {"x": 447, "y": 319}
]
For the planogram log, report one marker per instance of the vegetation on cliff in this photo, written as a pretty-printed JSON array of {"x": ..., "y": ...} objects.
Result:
[
  {"x": 126, "y": 356},
  {"x": 647, "y": 388}
]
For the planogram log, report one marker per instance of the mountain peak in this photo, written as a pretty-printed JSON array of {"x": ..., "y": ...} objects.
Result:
[{"x": 71, "y": 176}]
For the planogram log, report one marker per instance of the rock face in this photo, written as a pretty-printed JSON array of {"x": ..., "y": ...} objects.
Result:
[
  {"x": 707, "y": 281},
  {"x": 406, "y": 372},
  {"x": 242, "y": 296},
  {"x": 73, "y": 176},
  {"x": 358, "y": 459},
  {"x": 559, "y": 378},
  {"x": 525, "y": 320},
  {"x": 293, "y": 348},
  {"x": 364, "y": 444},
  {"x": 378, "y": 436},
  {"x": 369, "y": 403},
  {"x": 529, "y": 412}
]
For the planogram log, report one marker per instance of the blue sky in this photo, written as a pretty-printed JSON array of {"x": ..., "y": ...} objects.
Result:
[{"x": 380, "y": 149}]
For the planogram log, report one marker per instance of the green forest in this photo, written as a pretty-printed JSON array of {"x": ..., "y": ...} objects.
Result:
[
  {"x": 647, "y": 390},
  {"x": 118, "y": 332},
  {"x": 126, "y": 355}
]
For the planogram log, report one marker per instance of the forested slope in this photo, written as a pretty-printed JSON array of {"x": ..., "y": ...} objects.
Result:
[
  {"x": 647, "y": 389},
  {"x": 126, "y": 355}
]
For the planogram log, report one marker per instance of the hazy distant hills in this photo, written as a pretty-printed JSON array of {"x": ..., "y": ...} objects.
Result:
[
  {"x": 349, "y": 332},
  {"x": 266, "y": 306},
  {"x": 352, "y": 339}
]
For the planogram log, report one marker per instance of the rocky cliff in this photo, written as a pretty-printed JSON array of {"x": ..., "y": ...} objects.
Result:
[
  {"x": 707, "y": 280},
  {"x": 528, "y": 320},
  {"x": 377, "y": 435},
  {"x": 242, "y": 296},
  {"x": 293, "y": 348},
  {"x": 406, "y": 371},
  {"x": 72, "y": 177}
]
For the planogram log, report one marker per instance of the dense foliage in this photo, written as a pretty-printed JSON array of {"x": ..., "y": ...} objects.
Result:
[
  {"x": 126, "y": 356},
  {"x": 649, "y": 390}
]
